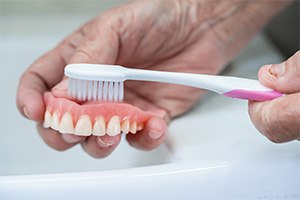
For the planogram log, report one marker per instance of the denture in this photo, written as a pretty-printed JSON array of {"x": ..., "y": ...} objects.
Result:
[{"x": 93, "y": 118}]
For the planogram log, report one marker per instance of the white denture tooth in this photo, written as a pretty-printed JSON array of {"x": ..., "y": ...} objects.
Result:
[
  {"x": 83, "y": 126},
  {"x": 99, "y": 127},
  {"x": 113, "y": 126},
  {"x": 47, "y": 120},
  {"x": 55, "y": 121},
  {"x": 125, "y": 126},
  {"x": 140, "y": 127},
  {"x": 66, "y": 124},
  {"x": 132, "y": 128}
]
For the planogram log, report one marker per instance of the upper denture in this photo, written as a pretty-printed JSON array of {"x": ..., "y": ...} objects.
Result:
[{"x": 97, "y": 118}]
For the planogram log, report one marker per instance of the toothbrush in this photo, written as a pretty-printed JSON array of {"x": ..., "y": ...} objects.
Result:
[{"x": 106, "y": 82}]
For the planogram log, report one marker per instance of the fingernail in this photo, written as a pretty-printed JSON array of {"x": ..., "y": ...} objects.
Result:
[
  {"x": 155, "y": 134},
  {"x": 71, "y": 138},
  {"x": 25, "y": 110},
  {"x": 105, "y": 141},
  {"x": 59, "y": 87},
  {"x": 62, "y": 85},
  {"x": 276, "y": 70}
]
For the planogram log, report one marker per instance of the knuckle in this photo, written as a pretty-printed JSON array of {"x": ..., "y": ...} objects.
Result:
[
  {"x": 294, "y": 63},
  {"x": 282, "y": 128},
  {"x": 86, "y": 28},
  {"x": 82, "y": 55},
  {"x": 296, "y": 68},
  {"x": 272, "y": 135},
  {"x": 280, "y": 136},
  {"x": 275, "y": 140},
  {"x": 268, "y": 124}
]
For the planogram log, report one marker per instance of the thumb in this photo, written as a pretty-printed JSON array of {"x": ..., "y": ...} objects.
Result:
[
  {"x": 97, "y": 48},
  {"x": 279, "y": 119},
  {"x": 283, "y": 77}
]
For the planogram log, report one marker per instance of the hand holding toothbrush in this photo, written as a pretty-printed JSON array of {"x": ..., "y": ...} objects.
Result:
[
  {"x": 147, "y": 35},
  {"x": 279, "y": 119}
]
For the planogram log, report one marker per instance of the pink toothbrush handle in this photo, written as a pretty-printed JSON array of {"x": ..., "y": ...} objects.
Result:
[{"x": 253, "y": 95}]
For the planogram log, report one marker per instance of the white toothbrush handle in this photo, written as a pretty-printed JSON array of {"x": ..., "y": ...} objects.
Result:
[{"x": 229, "y": 86}]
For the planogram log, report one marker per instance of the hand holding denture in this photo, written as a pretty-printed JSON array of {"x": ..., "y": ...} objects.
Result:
[{"x": 133, "y": 36}]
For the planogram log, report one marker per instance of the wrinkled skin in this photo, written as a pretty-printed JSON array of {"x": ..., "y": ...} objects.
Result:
[
  {"x": 279, "y": 120},
  {"x": 172, "y": 35}
]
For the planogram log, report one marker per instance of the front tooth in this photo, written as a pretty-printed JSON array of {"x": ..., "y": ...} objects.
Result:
[
  {"x": 99, "y": 127},
  {"x": 132, "y": 128},
  {"x": 113, "y": 126},
  {"x": 83, "y": 126},
  {"x": 47, "y": 120},
  {"x": 66, "y": 124},
  {"x": 55, "y": 121},
  {"x": 125, "y": 126}
]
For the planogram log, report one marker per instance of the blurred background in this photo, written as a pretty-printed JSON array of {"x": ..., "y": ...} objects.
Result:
[{"x": 284, "y": 29}]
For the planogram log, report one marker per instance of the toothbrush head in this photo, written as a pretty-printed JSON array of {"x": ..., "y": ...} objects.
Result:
[
  {"x": 91, "y": 82},
  {"x": 85, "y": 90}
]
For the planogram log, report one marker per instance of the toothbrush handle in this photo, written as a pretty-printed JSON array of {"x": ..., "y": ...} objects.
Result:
[
  {"x": 234, "y": 87},
  {"x": 253, "y": 95}
]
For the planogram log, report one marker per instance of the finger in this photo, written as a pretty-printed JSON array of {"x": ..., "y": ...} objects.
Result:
[
  {"x": 57, "y": 140},
  {"x": 29, "y": 96},
  {"x": 278, "y": 120},
  {"x": 98, "y": 47},
  {"x": 100, "y": 147},
  {"x": 151, "y": 136},
  {"x": 35, "y": 81},
  {"x": 61, "y": 89},
  {"x": 283, "y": 77},
  {"x": 41, "y": 76}
]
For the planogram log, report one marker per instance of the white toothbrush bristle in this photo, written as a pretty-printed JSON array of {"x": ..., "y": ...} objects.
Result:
[
  {"x": 90, "y": 90},
  {"x": 84, "y": 90},
  {"x": 121, "y": 91},
  {"x": 110, "y": 91},
  {"x": 100, "y": 90},
  {"x": 95, "y": 90},
  {"x": 105, "y": 90},
  {"x": 116, "y": 90},
  {"x": 79, "y": 90}
]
